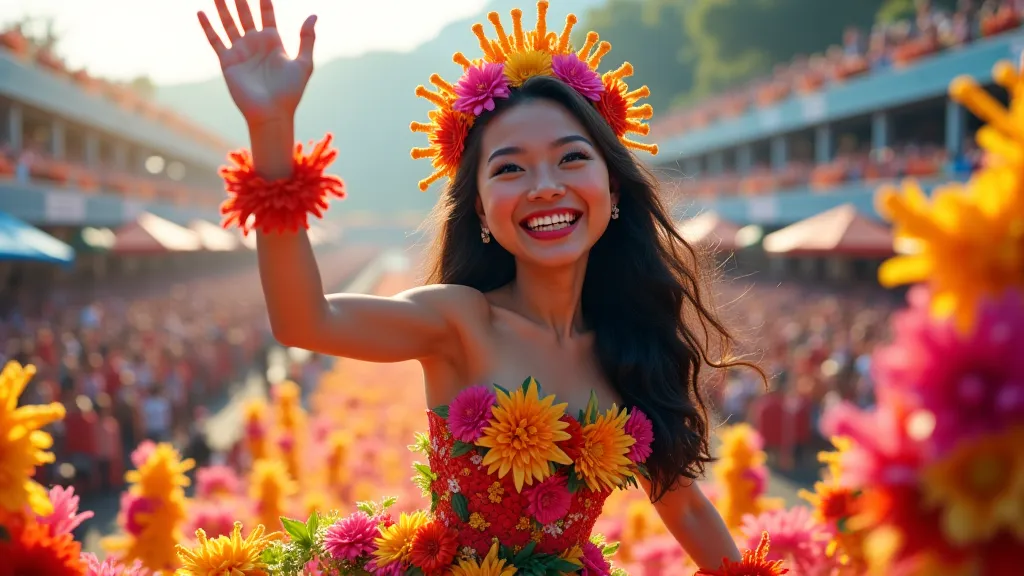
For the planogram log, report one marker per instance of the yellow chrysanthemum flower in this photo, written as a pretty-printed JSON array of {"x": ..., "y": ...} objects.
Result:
[
  {"x": 522, "y": 436},
  {"x": 968, "y": 241},
  {"x": 224, "y": 555},
  {"x": 491, "y": 565},
  {"x": 979, "y": 486},
  {"x": 23, "y": 445},
  {"x": 160, "y": 480},
  {"x": 395, "y": 541},
  {"x": 270, "y": 485},
  {"x": 603, "y": 463},
  {"x": 521, "y": 66}
]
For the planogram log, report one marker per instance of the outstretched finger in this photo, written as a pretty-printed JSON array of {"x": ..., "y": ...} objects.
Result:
[
  {"x": 215, "y": 42},
  {"x": 307, "y": 36},
  {"x": 245, "y": 15},
  {"x": 227, "y": 20},
  {"x": 267, "y": 17}
]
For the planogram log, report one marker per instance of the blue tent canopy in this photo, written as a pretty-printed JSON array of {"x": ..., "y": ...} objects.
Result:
[{"x": 19, "y": 241}]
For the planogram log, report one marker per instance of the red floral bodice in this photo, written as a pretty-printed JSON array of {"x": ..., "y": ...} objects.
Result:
[{"x": 495, "y": 509}]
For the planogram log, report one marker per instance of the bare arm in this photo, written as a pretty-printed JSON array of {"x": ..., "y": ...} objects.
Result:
[
  {"x": 267, "y": 86},
  {"x": 696, "y": 525}
]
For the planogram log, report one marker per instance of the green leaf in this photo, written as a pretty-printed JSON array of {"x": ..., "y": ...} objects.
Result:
[
  {"x": 525, "y": 553},
  {"x": 388, "y": 503},
  {"x": 841, "y": 525},
  {"x": 413, "y": 571},
  {"x": 591, "y": 415},
  {"x": 561, "y": 566},
  {"x": 368, "y": 508},
  {"x": 313, "y": 524},
  {"x": 574, "y": 483},
  {"x": 441, "y": 411},
  {"x": 421, "y": 445},
  {"x": 297, "y": 530},
  {"x": 610, "y": 549},
  {"x": 461, "y": 506},
  {"x": 434, "y": 499},
  {"x": 500, "y": 389},
  {"x": 642, "y": 468},
  {"x": 424, "y": 469},
  {"x": 460, "y": 448}
]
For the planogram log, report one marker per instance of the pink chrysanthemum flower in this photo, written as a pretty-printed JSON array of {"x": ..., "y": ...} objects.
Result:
[
  {"x": 594, "y": 562},
  {"x": 797, "y": 539},
  {"x": 971, "y": 383},
  {"x": 215, "y": 519},
  {"x": 470, "y": 413},
  {"x": 111, "y": 567},
  {"x": 65, "y": 516},
  {"x": 639, "y": 426},
  {"x": 759, "y": 476},
  {"x": 133, "y": 508},
  {"x": 570, "y": 69},
  {"x": 883, "y": 452},
  {"x": 212, "y": 481},
  {"x": 351, "y": 537},
  {"x": 478, "y": 88},
  {"x": 549, "y": 500},
  {"x": 142, "y": 452}
]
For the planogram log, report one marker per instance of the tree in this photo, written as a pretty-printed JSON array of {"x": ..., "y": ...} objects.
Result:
[
  {"x": 736, "y": 40},
  {"x": 648, "y": 35}
]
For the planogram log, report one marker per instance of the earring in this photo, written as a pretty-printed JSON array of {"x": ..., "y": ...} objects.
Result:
[
  {"x": 485, "y": 235},
  {"x": 615, "y": 211}
]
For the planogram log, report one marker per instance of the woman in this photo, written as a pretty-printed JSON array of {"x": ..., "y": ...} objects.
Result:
[{"x": 554, "y": 259}]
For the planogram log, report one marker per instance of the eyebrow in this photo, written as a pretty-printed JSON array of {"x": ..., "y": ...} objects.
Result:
[{"x": 509, "y": 150}]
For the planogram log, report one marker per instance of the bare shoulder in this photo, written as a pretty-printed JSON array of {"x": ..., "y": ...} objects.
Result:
[{"x": 453, "y": 301}]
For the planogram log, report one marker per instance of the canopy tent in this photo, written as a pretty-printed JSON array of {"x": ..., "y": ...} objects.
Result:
[
  {"x": 20, "y": 241},
  {"x": 841, "y": 230},
  {"x": 711, "y": 230},
  {"x": 150, "y": 234},
  {"x": 214, "y": 238}
]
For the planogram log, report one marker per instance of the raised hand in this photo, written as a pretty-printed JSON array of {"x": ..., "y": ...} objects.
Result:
[{"x": 264, "y": 82}]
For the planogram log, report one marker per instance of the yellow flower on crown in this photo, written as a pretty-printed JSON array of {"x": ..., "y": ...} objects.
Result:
[{"x": 511, "y": 59}]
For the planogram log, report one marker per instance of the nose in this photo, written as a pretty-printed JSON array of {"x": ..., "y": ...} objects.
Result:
[{"x": 546, "y": 189}]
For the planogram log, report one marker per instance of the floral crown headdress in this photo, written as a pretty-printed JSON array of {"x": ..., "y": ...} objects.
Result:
[{"x": 508, "y": 62}]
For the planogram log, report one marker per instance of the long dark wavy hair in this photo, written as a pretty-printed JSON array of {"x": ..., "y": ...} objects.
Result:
[{"x": 643, "y": 294}]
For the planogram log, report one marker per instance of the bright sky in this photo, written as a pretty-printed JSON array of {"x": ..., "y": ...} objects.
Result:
[{"x": 121, "y": 39}]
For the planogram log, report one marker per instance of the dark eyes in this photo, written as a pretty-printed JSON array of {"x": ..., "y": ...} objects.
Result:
[{"x": 569, "y": 157}]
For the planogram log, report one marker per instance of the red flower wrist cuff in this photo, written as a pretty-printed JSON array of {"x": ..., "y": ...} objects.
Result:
[{"x": 284, "y": 204}]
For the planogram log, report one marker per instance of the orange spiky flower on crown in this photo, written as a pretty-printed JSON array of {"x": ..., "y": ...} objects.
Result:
[{"x": 510, "y": 60}]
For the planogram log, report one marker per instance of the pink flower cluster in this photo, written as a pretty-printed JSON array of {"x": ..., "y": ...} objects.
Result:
[
  {"x": 351, "y": 537},
  {"x": 484, "y": 83}
]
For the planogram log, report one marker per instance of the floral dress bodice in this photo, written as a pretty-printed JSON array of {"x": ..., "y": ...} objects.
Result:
[
  {"x": 514, "y": 468},
  {"x": 495, "y": 509}
]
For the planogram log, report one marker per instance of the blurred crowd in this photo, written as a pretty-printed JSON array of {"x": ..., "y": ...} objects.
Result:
[
  {"x": 886, "y": 45},
  {"x": 889, "y": 45},
  {"x": 137, "y": 363},
  {"x": 814, "y": 342}
]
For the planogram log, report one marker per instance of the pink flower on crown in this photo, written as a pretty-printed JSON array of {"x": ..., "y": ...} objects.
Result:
[
  {"x": 479, "y": 86},
  {"x": 65, "y": 516},
  {"x": 470, "y": 413},
  {"x": 640, "y": 428},
  {"x": 577, "y": 74}
]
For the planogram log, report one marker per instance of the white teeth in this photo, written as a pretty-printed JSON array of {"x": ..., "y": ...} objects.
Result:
[{"x": 552, "y": 222}]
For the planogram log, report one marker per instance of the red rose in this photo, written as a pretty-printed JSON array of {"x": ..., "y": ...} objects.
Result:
[{"x": 572, "y": 447}]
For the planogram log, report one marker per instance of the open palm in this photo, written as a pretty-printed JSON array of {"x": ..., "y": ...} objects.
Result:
[{"x": 264, "y": 82}]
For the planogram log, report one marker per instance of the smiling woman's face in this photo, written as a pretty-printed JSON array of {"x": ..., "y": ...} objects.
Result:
[{"x": 544, "y": 190}]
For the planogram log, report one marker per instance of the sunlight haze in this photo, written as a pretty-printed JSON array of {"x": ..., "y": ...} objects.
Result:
[{"x": 122, "y": 39}]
